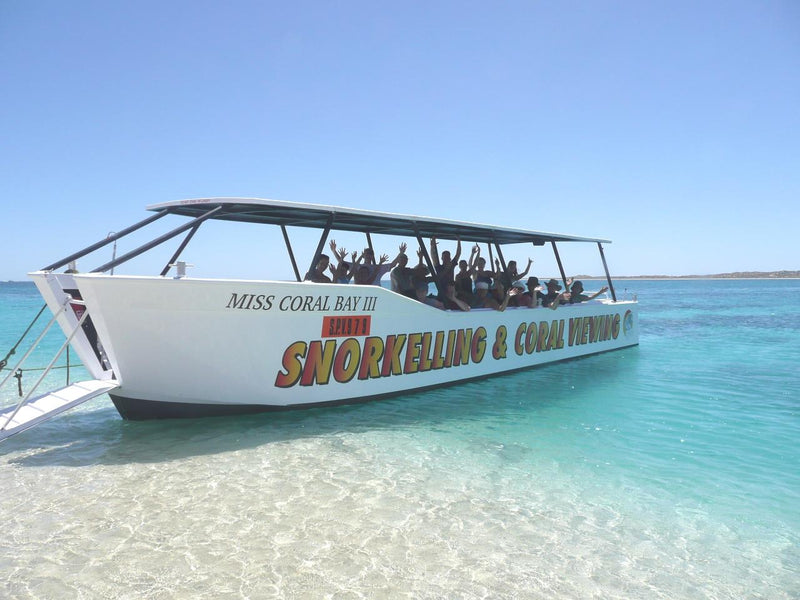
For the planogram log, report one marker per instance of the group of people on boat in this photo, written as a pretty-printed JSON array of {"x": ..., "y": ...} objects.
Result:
[
  {"x": 361, "y": 270},
  {"x": 461, "y": 284}
]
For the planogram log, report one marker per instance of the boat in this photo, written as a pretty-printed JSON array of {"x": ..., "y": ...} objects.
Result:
[{"x": 169, "y": 345}]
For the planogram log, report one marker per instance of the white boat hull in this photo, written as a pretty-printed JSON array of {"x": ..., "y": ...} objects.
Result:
[{"x": 192, "y": 347}]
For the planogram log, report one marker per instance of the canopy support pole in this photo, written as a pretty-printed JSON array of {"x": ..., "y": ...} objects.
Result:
[
  {"x": 608, "y": 275},
  {"x": 105, "y": 241},
  {"x": 500, "y": 256},
  {"x": 560, "y": 266},
  {"x": 323, "y": 238},
  {"x": 175, "y": 256},
  {"x": 289, "y": 249},
  {"x": 425, "y": 254},
  {"x": 159, "y": 240}
]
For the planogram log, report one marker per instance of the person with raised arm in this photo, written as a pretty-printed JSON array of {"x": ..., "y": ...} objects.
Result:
[
  {"x": 510, "y": 275},
  {"x": 576, "y": 293},
  {"x": 533, "y": 297},
  {"x": 445, "y": 269},
  {"x": 554, "y": 298},
  {"x": 377, "y": 271},
  {"x": 553, "y": 294},
  {"x": 343, "y": 272},
  {"x": 464, "y": 276},
  {"x": 480, "y": 274},
  {"x": 485, "y": 300},
  {"x": 402, "y": 276}
]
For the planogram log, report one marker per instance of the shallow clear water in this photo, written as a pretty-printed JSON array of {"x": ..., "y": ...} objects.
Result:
[{"x": 670, "y": 470}]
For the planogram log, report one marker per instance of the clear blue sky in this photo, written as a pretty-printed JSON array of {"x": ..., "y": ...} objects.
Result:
[{"x": 670, "y": 127}]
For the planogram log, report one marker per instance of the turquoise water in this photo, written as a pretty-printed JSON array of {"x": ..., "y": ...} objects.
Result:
[{"x": 670, "y": 470}]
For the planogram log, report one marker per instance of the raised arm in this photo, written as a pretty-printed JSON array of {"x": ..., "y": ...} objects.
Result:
[
  {"x": 353, "y": 263},
  {"x": 473, "y": 256},
  {"x": 597, "y": 293},
  {"x": 458, "y": 252},
  {"x": 562, "y": 297},
  {"x": 527, "y": 269},
  {"x": 435, "y": 254},
  {"x": 396, "y": 260},
  {"x": 511, "y": 292}
]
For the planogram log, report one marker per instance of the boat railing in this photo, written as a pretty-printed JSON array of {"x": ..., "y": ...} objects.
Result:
[
  {"x": 50, "y": 366},
  {"x": 31, "y": 411},
  {"x": 35, "y": 343}
]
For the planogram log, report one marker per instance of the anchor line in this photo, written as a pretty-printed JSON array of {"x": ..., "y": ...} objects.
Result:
[{"x": 13, "y": 350}]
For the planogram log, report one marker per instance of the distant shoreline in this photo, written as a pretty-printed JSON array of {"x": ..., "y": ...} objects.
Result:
[{"x": 735, "y": 275}]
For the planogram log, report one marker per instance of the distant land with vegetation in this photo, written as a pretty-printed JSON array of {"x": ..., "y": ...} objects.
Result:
[{"x": 734, "y": 275}]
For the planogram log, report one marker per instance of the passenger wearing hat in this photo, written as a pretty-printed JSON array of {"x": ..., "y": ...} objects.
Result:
[
  {"x": 518, "y": 297},
  {"x": 534, "y": 296},
  {"x": 484, "y": 300},
  {"x": 552, "y": 296},
  {"x": 577, "y": 294}
]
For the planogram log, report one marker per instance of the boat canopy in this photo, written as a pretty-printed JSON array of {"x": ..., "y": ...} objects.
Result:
[
  {"x": 325, "y": 218},
  {"x": 319, "y": 216}
]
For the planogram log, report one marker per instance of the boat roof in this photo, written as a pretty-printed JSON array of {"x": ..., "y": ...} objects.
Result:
[{"x": 319, "y": 216}]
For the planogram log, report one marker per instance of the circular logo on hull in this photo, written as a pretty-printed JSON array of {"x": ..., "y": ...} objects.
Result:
[{"x": 627, "y": 322}]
